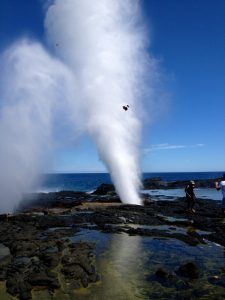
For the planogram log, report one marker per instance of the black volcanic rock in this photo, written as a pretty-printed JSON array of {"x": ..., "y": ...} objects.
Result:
[
  {"x": 43, "y": 279},
  {"x": 162, "y": 273},
  {"x": 189, "y": 270},
  {"x": 158, "y": 183},
  {"x": 62, "y": 199},
  {"x": 104, "y": 189}
]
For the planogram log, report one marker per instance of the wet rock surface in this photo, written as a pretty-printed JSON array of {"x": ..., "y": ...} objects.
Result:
[
  {"x": 37, "y": 252},
  {"x": 189, "y": 270},
  {"x": 37, "y": 258}
]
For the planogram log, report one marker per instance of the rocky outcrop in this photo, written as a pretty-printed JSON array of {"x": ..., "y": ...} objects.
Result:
[
  {"x": 189, "y": 270},
  {"x": 158, "y": 183},
  {"x": 33, "y": 258},
  {"x": 104, "y": 189}
]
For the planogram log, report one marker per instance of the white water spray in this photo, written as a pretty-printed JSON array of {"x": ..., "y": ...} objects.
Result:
[
  {"x": 102, "y": 59},
  {"x": 31, "y": 91},
  {"x": 104, "y": 45}
]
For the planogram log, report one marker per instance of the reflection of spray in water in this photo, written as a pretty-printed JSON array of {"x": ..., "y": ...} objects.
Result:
[
  {"x": 101, "y": 47},
  {"x": 122, "y": 267},
  {"x": 103, "y": 43}
]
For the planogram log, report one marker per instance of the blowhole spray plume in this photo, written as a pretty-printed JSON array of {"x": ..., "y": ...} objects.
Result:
[
  {"x": 30, "y": 95},
  {"x": 104, "y": 44},
  {"x": 98, "y": 67}
]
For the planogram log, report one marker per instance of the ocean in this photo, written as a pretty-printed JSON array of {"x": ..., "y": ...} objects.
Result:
[{"x": 88, "y": 182}]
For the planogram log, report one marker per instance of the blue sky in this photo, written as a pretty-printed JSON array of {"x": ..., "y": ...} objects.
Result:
[{"x": 188, "y": 39}]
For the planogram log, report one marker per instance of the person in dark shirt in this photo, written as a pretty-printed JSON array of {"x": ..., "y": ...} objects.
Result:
[
  {"x": 220, "y": 185},
  {"x": 190, "y": 196}
]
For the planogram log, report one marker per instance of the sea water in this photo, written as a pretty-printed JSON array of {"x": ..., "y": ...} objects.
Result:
[
  {"x": 88, "y": 182},
  {"x": 200, "y": 193},
  {"x": 127, "y": 266}
]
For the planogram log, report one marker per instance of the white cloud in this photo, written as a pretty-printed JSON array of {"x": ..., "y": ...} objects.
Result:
[
  {"x": 197, "y": 145},
  {"x": 167, "y": 146}
]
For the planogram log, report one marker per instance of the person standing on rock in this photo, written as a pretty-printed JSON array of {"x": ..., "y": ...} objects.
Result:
[
  {"x": 190, "y": 196},
  {"x": 221, "y": 186}
]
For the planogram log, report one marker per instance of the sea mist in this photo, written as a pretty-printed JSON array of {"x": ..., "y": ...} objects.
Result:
[
  {"x": 103, "y": 43},
  {"x": 31, "y": 89},
  {"x": 96, "y": 63}
]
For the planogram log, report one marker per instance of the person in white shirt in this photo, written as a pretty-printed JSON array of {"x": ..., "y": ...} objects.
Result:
[{"x": 221, "y": 186}]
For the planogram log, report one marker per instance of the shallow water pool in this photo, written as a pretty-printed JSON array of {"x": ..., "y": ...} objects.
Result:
[{"x": 127, "y": 265}]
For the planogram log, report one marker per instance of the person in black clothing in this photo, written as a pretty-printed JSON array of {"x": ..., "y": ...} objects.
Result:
[{"x": 190, "y": 196}]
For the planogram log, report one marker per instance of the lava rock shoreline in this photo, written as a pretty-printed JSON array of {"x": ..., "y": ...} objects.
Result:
[
  {"x": 158, "y": 183},
  {"x": 39, "y": 254}
]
